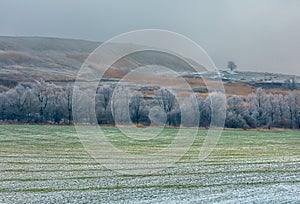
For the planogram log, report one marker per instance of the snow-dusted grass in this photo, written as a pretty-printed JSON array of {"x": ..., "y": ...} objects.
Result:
[{"x": 42, "y": 164}]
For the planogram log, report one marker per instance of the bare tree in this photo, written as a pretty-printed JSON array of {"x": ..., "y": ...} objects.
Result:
[
  {"x": 291, "y": 84},
  {"x": 3, "y": 106},
  {"x": 236, "y": 113},
  {"x": 293, "y": 103},
  {"x": 260, "y": 107},
  {"x": 56, "y": 108},
  {"x": 218, "y": 108},
  {"x": 103, "y": 98},
  {"x": 46, "y": 102},
  {"x": 18, "y": 99},
  {"x": 188, "y": 107},
  {"x": 119, "y": 106},
  {"x": 105, "y": 93},
  {"x": 137, "y": 109},
  {"x": 68, "y": 98},
  {"x": 231, "y": 65},
  {"x": 275, "y": 113},
  {"x": 167, "y": 101},
  {"x": 205, "y": 111},
  {"x": 83, "y": 106},
  {"x": 43, "y": 91}
]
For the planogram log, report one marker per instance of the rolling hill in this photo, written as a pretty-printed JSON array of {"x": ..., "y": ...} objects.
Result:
[{"x": 25, "y": 59}]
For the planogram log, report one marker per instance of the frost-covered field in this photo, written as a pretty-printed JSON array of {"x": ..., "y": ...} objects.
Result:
[{"x": 48, "y": 164}]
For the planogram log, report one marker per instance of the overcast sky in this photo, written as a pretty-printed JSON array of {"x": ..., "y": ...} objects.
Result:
[{"x": 259, "y": 35}]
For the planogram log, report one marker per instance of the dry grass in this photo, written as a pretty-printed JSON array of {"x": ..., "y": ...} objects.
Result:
[
  {"x": 11, "y": 57},
  {"x": 115, "y": 73},
  {"x": 240, "y": 89},
  {"x": 79, "y": 57}
]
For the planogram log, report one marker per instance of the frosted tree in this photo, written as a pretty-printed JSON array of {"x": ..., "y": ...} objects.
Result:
[
  {"x": 56, "y": 108},
  {"x": 43, "y": 91},
  {"x": 137, "y": 107},
  {"x": 212, "y": 110},
  {"x": 167, "y": 101},
  {"x": 103, "y": 102},
  {"x": 205, "y": 111},
  {"x": 3, "y": 106},
  {"x": 189, "y": 106},
  {"x": 68, "y": 102},
  {"x": 236, "y": 113},
  {"x": 120, "y": 106},
  {"x": 105, "y": 93},
  {"x": 259, "y": 107},
  {"x": 83, "y": 106},
  {"x": 21, "y": 103},
  {"x": 293, "y": 105},
  {"x": 276, "y": 113}
]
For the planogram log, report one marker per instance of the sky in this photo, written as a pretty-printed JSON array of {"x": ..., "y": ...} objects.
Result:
[{"x": 258, "y": 35}]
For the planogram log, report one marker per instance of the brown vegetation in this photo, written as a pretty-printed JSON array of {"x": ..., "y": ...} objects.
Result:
[{"x": 12, "y": 57}]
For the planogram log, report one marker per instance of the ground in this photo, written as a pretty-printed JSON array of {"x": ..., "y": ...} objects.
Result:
[{"x": 48, "y": 164}]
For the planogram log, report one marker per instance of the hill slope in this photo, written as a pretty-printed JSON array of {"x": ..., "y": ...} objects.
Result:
[{"x": 58, "y": 60}]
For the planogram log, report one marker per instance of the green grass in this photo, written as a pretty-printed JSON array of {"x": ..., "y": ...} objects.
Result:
[
  {"x": 63, "y": 139},
  {"x": 32, "y": 156}
]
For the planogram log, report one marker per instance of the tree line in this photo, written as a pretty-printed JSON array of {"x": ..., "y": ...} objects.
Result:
[{"x": 43, "y": 102}]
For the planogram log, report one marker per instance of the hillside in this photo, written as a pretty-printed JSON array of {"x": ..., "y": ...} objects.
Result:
[
  {"x": 27, "y": 58},
  {"x": 58, "y": 60}
]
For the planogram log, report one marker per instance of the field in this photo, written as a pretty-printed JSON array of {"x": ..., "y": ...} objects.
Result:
[{"x": 48, "y": 164}]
